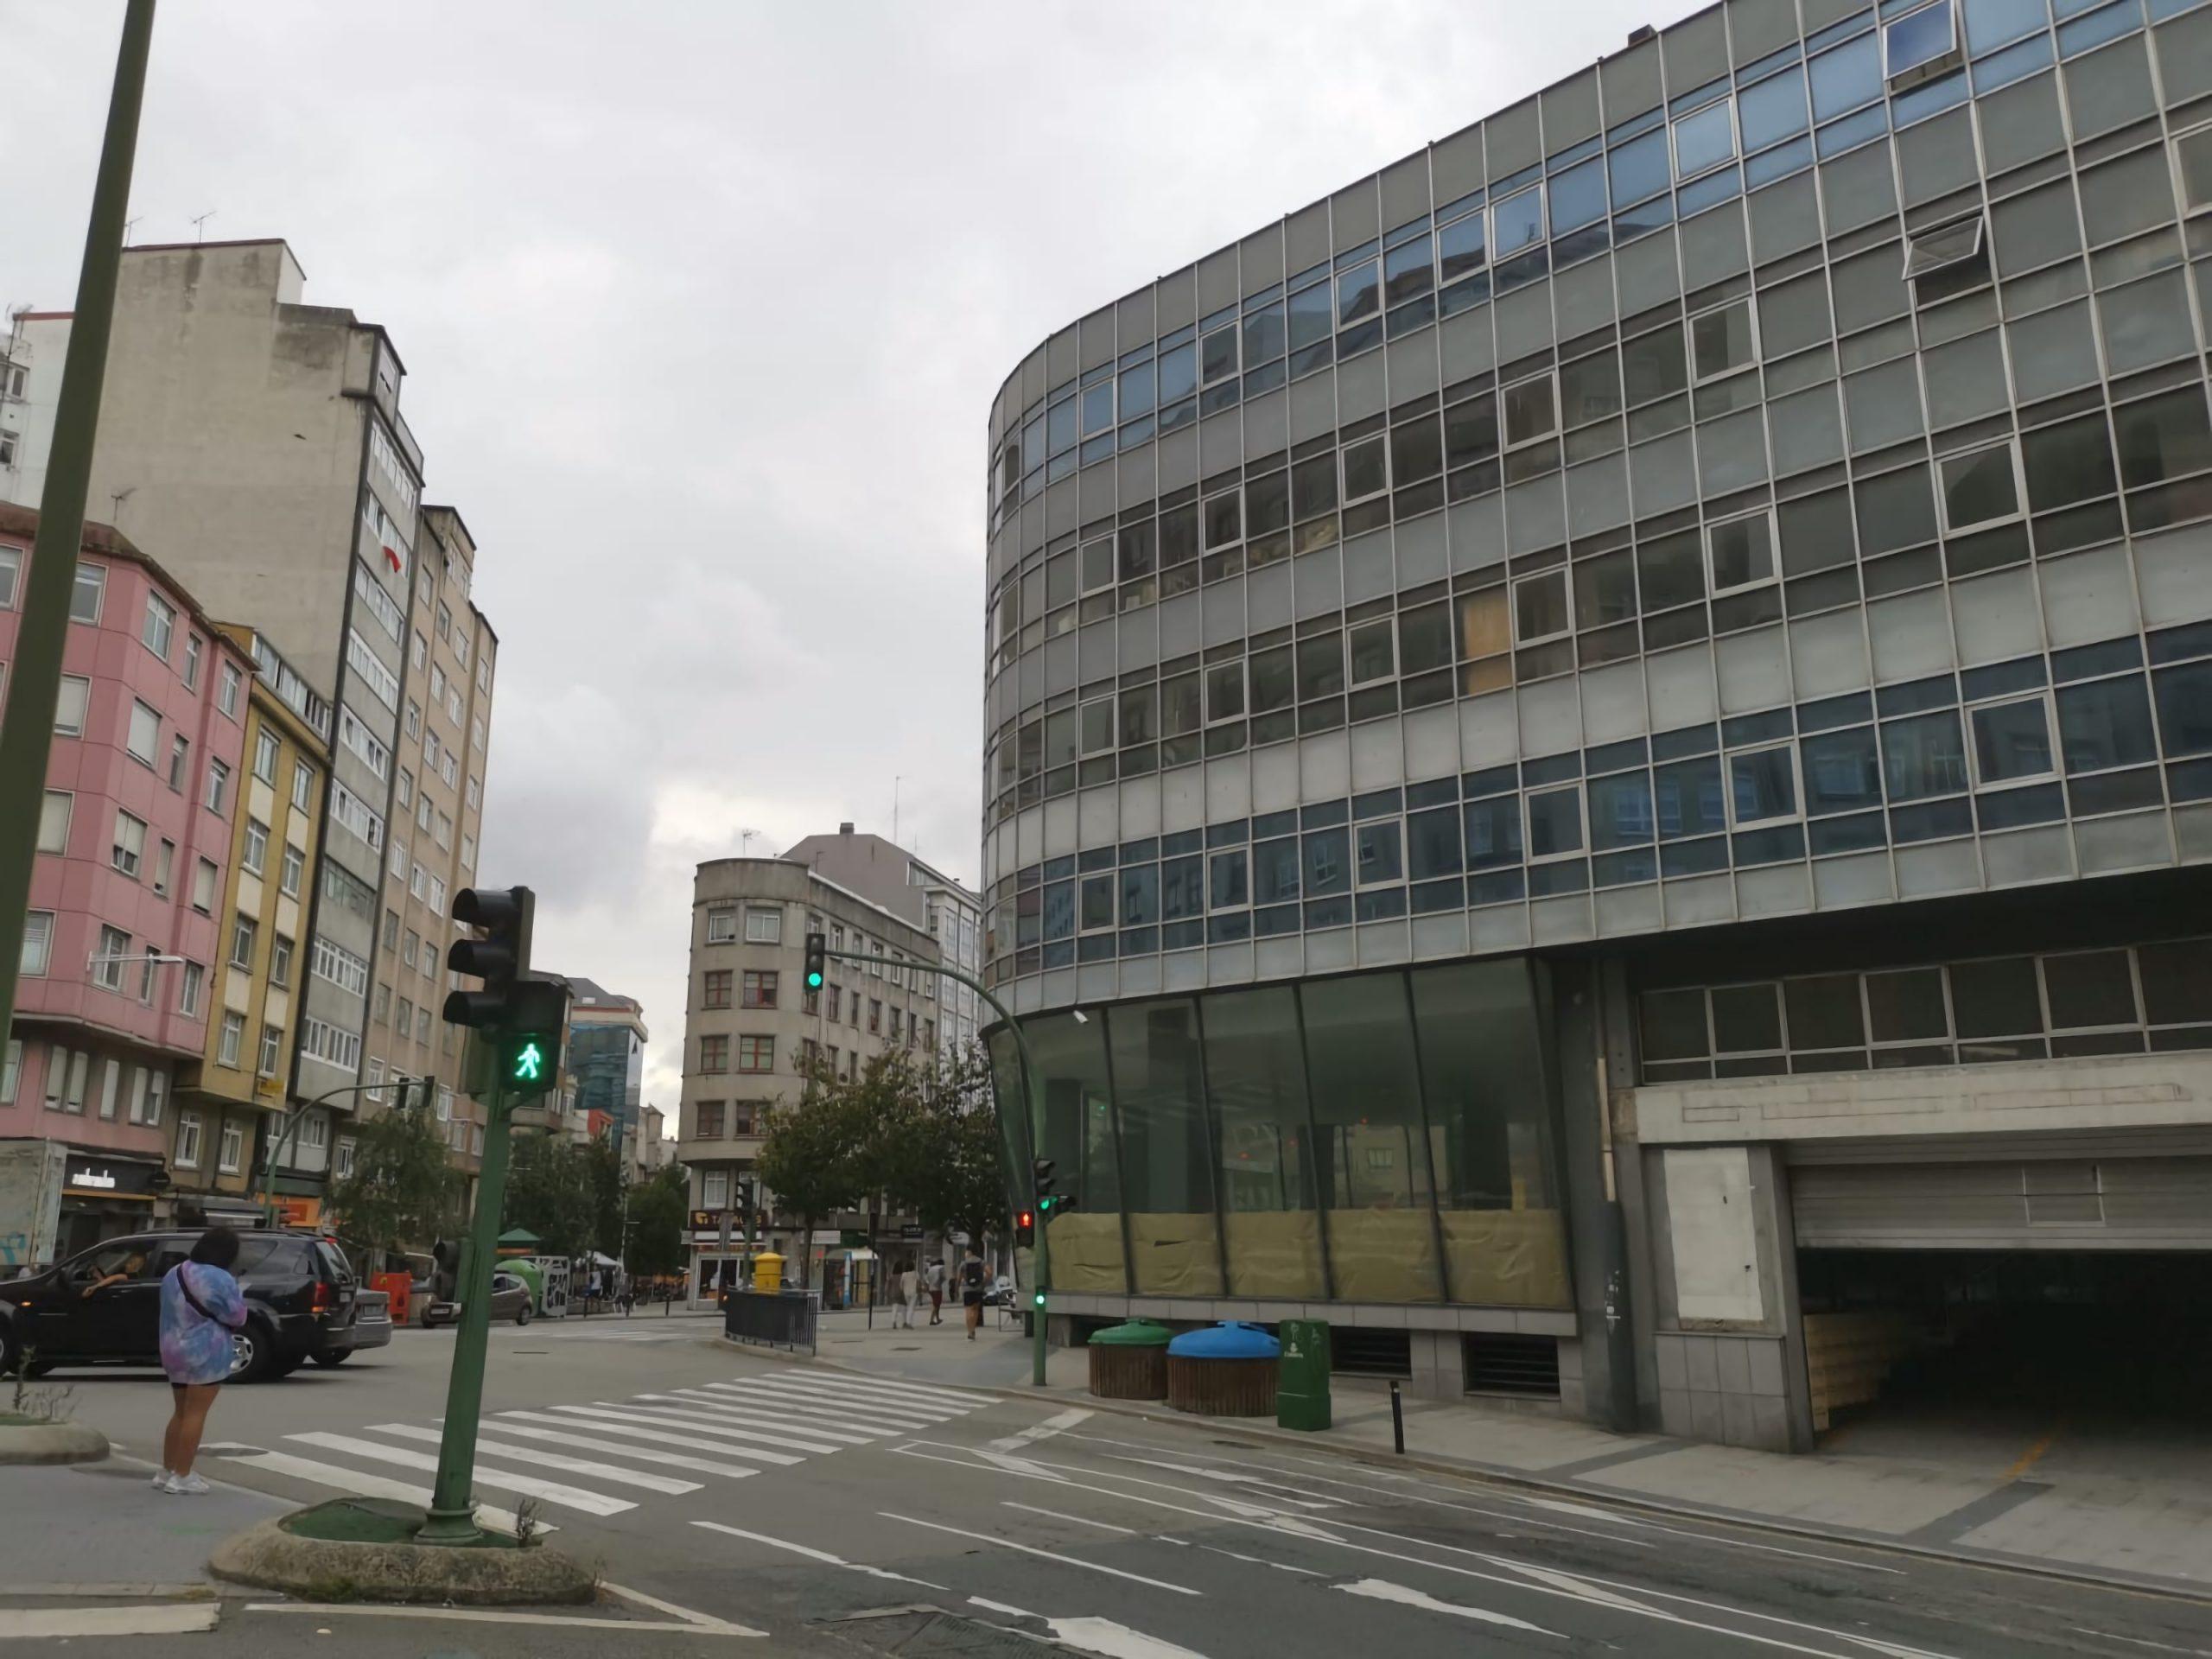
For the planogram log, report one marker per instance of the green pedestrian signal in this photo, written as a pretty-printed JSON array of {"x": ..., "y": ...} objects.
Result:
[{"x": 530, "y": 1062}]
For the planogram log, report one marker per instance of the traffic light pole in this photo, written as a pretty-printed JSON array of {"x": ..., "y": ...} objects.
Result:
[
  {"x": 1029, "y": 1104},
  {"x": 451, "y": 1517}
]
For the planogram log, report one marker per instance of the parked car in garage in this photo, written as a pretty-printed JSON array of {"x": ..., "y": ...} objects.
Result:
[
  {"x": 102, "y": 1306},
  {"x": 510, "y": 1300}
]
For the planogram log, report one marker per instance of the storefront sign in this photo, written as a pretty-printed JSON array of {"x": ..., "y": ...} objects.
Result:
[
  {"x": 92, "y": 1177},
  {"x": 299, "y": 1212},
  {"x": 707, "y": 1221}
]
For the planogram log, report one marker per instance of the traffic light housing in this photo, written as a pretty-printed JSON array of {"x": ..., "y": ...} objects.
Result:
[
  {"x": 1044, "y": 1184},
  {"x": 1025, "y": 1227},
  {"x": 818, "y": 960},
  {"x": 526, "y": 1049},
  {"x": 500, "y": 955}
]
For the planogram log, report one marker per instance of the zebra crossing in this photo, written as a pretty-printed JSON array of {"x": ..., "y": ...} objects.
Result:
[{"x": 605, "y": 1458}]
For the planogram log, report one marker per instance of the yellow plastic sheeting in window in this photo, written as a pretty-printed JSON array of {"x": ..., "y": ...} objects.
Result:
[
  {"x": 1274, "y": 1253},
  {"x": 1175, "y": 1254},
  {"x": 1087, "y": 1251},
  {"x": 1513, "y": 1258},
  {"x": 1384, "y": 1256}
]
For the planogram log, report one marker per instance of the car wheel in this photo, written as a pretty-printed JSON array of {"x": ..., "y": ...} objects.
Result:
[
  {"x": 333, "y": 1356},
  {"x": 522, "y": 1314},
  {"x": 253, "y": 1352}
]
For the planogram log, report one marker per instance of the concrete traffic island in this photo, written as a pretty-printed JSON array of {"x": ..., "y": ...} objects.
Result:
[
  {"x": 26, "y": 1437},
  {"x": 364, "y": 1549}
]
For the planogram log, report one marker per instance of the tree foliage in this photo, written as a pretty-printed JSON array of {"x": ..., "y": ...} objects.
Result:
[
  {"x": 551, "y": 1191},
  {"x": 658, "y": 1211},
  {"x": 403, "y": 1193},
  {"x": 812, "y": 1153}
]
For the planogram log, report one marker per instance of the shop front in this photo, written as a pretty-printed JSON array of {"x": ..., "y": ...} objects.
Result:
[{"x": 107, "y": 1194}]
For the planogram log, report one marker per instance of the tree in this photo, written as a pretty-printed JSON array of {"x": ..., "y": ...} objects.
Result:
[
  {"x": 812, "y": 1152},
  {"x": 658, "y": 1211},
  {"x": 957, "y": 1171},
  {"x": 402, "y": 1192},
  {"x": 550, "y": 1192}
]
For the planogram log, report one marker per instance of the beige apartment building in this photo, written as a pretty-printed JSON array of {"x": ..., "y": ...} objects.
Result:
[
  {"x": 749, "y": 1030},
  {"x": 436, "y": 813}
]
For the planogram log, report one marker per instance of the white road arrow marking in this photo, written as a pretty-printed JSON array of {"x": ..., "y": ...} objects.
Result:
[{"x": 1382, "y": 1589}]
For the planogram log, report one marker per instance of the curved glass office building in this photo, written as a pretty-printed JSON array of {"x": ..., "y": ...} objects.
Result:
[{"x": 1597, "y": 746}]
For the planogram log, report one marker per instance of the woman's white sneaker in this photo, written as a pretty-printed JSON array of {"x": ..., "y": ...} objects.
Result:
[{"x": 188, "y": 1485}]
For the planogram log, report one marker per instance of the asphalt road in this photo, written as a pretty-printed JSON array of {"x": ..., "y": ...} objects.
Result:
[{"x": 756, "y": 1503}]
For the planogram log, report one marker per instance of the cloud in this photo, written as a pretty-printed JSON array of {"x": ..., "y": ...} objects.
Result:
[{"x": 704, "y": 307}]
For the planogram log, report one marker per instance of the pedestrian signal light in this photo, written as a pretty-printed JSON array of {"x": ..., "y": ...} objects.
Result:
[
  {"x": 529, "y": 1061},
  {"x": 817, "y": 958}
]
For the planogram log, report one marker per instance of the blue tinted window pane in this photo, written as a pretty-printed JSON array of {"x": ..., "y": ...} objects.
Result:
[
  {"x": 1853, "y": 130},
  {"x": 2017, "y": 63},
  {"x": 1098, "y": 408},
  {"x": 1494, "y": 832},
  {"x": 2107, "y": 25},
  {"x": 1059, "y": 910},
  {"x": 1274, "y": 870},
  {"x": 1620, "y": 811},
  {"x": 1992, "y": 22},
  {"x": 2106, "y": 723},
  {"x": 1328, "y": 862},
  {"x": 1059, "y": 426},
  {"x": 1705, "y": 140},
  {"x": 1578, "y": 196},
  {"x": 1179, "y": 373},
  {"x": 1229, "y": 880},
  {"x": 1408, "y": 271},
  {"x": 1556, "y": 822},
  {"x": 1639, "y": 168},
  {"x": 1653, "y": 215},
  {"x": 1764, "y": 785},
  {"x": 1841, "y": 774},
  {"x": 1922, "y": 37},
  {"x": 1310, "y": 319},
  {"x": 2185, "y": 709},
  {"x": 1380, "y": 858},
  {"x": 1772, "y": 110},
  {"x": 1433, "y": 844},
  {"x": 1263, "y": 334},
  {"x": 1778, "y": 164},
  {"x": 1712, "y": 188},
  {"x": 1517, "y": 222},
  {"x": 1359, "y": 294},
  {"x": 1182, "y": 888},
  {"x": 1460, "y": 247},
  {"x": 1925, "y": 756},
  {"x": 1139, "y": 895},
  {"x": 1136, "y": 390},
  {"x": 1687, "y": 798},
  {"x": 1847, "y": 77}
]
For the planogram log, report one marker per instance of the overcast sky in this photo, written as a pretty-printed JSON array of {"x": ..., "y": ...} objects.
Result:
[{"x": 704, "y": 306}]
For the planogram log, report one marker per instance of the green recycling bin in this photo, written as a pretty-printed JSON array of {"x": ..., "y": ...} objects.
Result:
[
  {"x": 1302, "y": 1387},
  {"x": 1129, "y": 1362}
]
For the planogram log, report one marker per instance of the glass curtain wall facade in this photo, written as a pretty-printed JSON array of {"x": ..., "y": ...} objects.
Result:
[
  {"x": 1758, "y": 487},
  {"x": 1380, "y": 1138}
]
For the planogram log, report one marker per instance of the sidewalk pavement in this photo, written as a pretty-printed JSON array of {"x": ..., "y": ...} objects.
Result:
[{"x": 2086, "y": 1523}]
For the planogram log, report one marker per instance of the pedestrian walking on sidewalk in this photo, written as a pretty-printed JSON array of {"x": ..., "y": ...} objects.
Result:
[
  {"x": 936, "y": 1277},
  {"x": 201, "y": 1306},
  {"x": 905, "y": 1293},
  {"x": 971, "y": 1290}
]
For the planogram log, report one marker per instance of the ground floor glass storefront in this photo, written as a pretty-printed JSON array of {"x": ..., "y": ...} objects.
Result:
[{"x": 1382, "y": 1137}]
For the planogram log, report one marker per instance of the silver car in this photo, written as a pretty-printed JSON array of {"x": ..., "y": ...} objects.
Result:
[{"x": 510, "y": 1299}]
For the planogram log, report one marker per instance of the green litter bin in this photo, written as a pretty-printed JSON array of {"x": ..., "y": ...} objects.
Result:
[
  {"x": 1302, "y": 1388},
  {"x": 1129, "y": 1362}
]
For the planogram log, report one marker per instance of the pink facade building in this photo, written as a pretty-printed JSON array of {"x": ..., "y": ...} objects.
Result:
[{"x": 123, "y": 941}]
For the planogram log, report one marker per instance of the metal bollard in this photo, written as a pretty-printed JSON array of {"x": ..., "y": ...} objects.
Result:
[{"x": 1397, "y": 1419}]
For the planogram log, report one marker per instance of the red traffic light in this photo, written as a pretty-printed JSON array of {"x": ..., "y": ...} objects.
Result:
[{"x": 1024, "y": 1218}]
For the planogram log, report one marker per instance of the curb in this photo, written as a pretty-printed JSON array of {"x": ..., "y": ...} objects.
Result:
[
  {"x": 1376, "y": 1457},
  {"x": 49, "y": 1443},
  {"x": 266, "y": 1557}
]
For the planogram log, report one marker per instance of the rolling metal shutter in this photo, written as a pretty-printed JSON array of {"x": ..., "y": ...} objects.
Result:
[{"x": 2056, "y": 1204}]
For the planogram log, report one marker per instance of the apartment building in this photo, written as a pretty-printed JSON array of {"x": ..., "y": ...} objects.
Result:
[
  {"x": 750, "y": 1030},
  {"x": 1596, "y": 764},
  {"x": 231, "y": 1102},
  {"x": 257, "y": 444},
  {"x": 30, "y": 386},
  {"x": 888, "y": 874},
  {"x": 435, "y": 818},
  {"x": 127, "y": 930}
]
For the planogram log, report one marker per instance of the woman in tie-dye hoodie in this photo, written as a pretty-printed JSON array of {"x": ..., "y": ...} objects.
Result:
[{"x": 201, "y": 1304}]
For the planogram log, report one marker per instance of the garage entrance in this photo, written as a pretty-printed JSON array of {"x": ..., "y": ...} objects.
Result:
[{"x": 2001, "y": 1313}]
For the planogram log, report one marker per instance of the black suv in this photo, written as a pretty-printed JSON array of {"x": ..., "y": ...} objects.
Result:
[{"x": 299, "y": 1297}]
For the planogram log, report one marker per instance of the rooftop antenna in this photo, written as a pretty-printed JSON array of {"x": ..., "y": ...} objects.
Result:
[
  {"x": 895, "y": 780},
  {"x": 127, "y": 224},
  {"x": 201, "y": 225},
  {"x": 118, "y": 498},
  {"x": 745, "y": 842}
]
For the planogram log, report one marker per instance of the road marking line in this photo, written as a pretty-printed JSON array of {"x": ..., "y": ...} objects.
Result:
[
  {"x": 1382, "y": 1589},
  {"x": 803, "y": 1411},
  {"x": 607, "y": 1412},
  {"x": 1268, "y": 1488},
  {"x": 2033, "y": 1455},
  {"x": 637, "y": 1477},
  {"x": 2138, "y": 1641},
  {"x": 1044, "y": 1431},
  {"x": 584, "y": 1419},
  {"x": 162, "y": 1618},
  {"x": 1098, "y": 1635},
  {"x": 689, "y": 1616},
  {"x": 361, "y": 1485},
  {"x": 868, "y": 1388},
  {"x": 688, "y": 1411},
  {"x": 1258, "y": 1560},
  {"x": 821, "y": 1555},
  {"x": 817, "y": 1403},
  {"x": 1676, "y": 1532},
  {"x": 690, "y": 1626},
  {"x": 1080, "y": 1520},
  {"x": 1046, "y": 1554},
  {"x": 746, "y": 1411},
  {"x": 571, "y": 1498},
  {"x": 671, "y": 1460}
]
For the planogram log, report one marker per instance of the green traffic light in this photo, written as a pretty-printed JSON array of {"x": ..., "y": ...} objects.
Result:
[
  {"x": 530, "y": 1062},
  {"x": 1040, "y": 1298},
  {"x": 814, "y": 982}
]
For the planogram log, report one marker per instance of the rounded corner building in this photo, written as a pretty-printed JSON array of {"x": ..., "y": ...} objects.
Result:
[{"x": 1598, "y": 749}]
